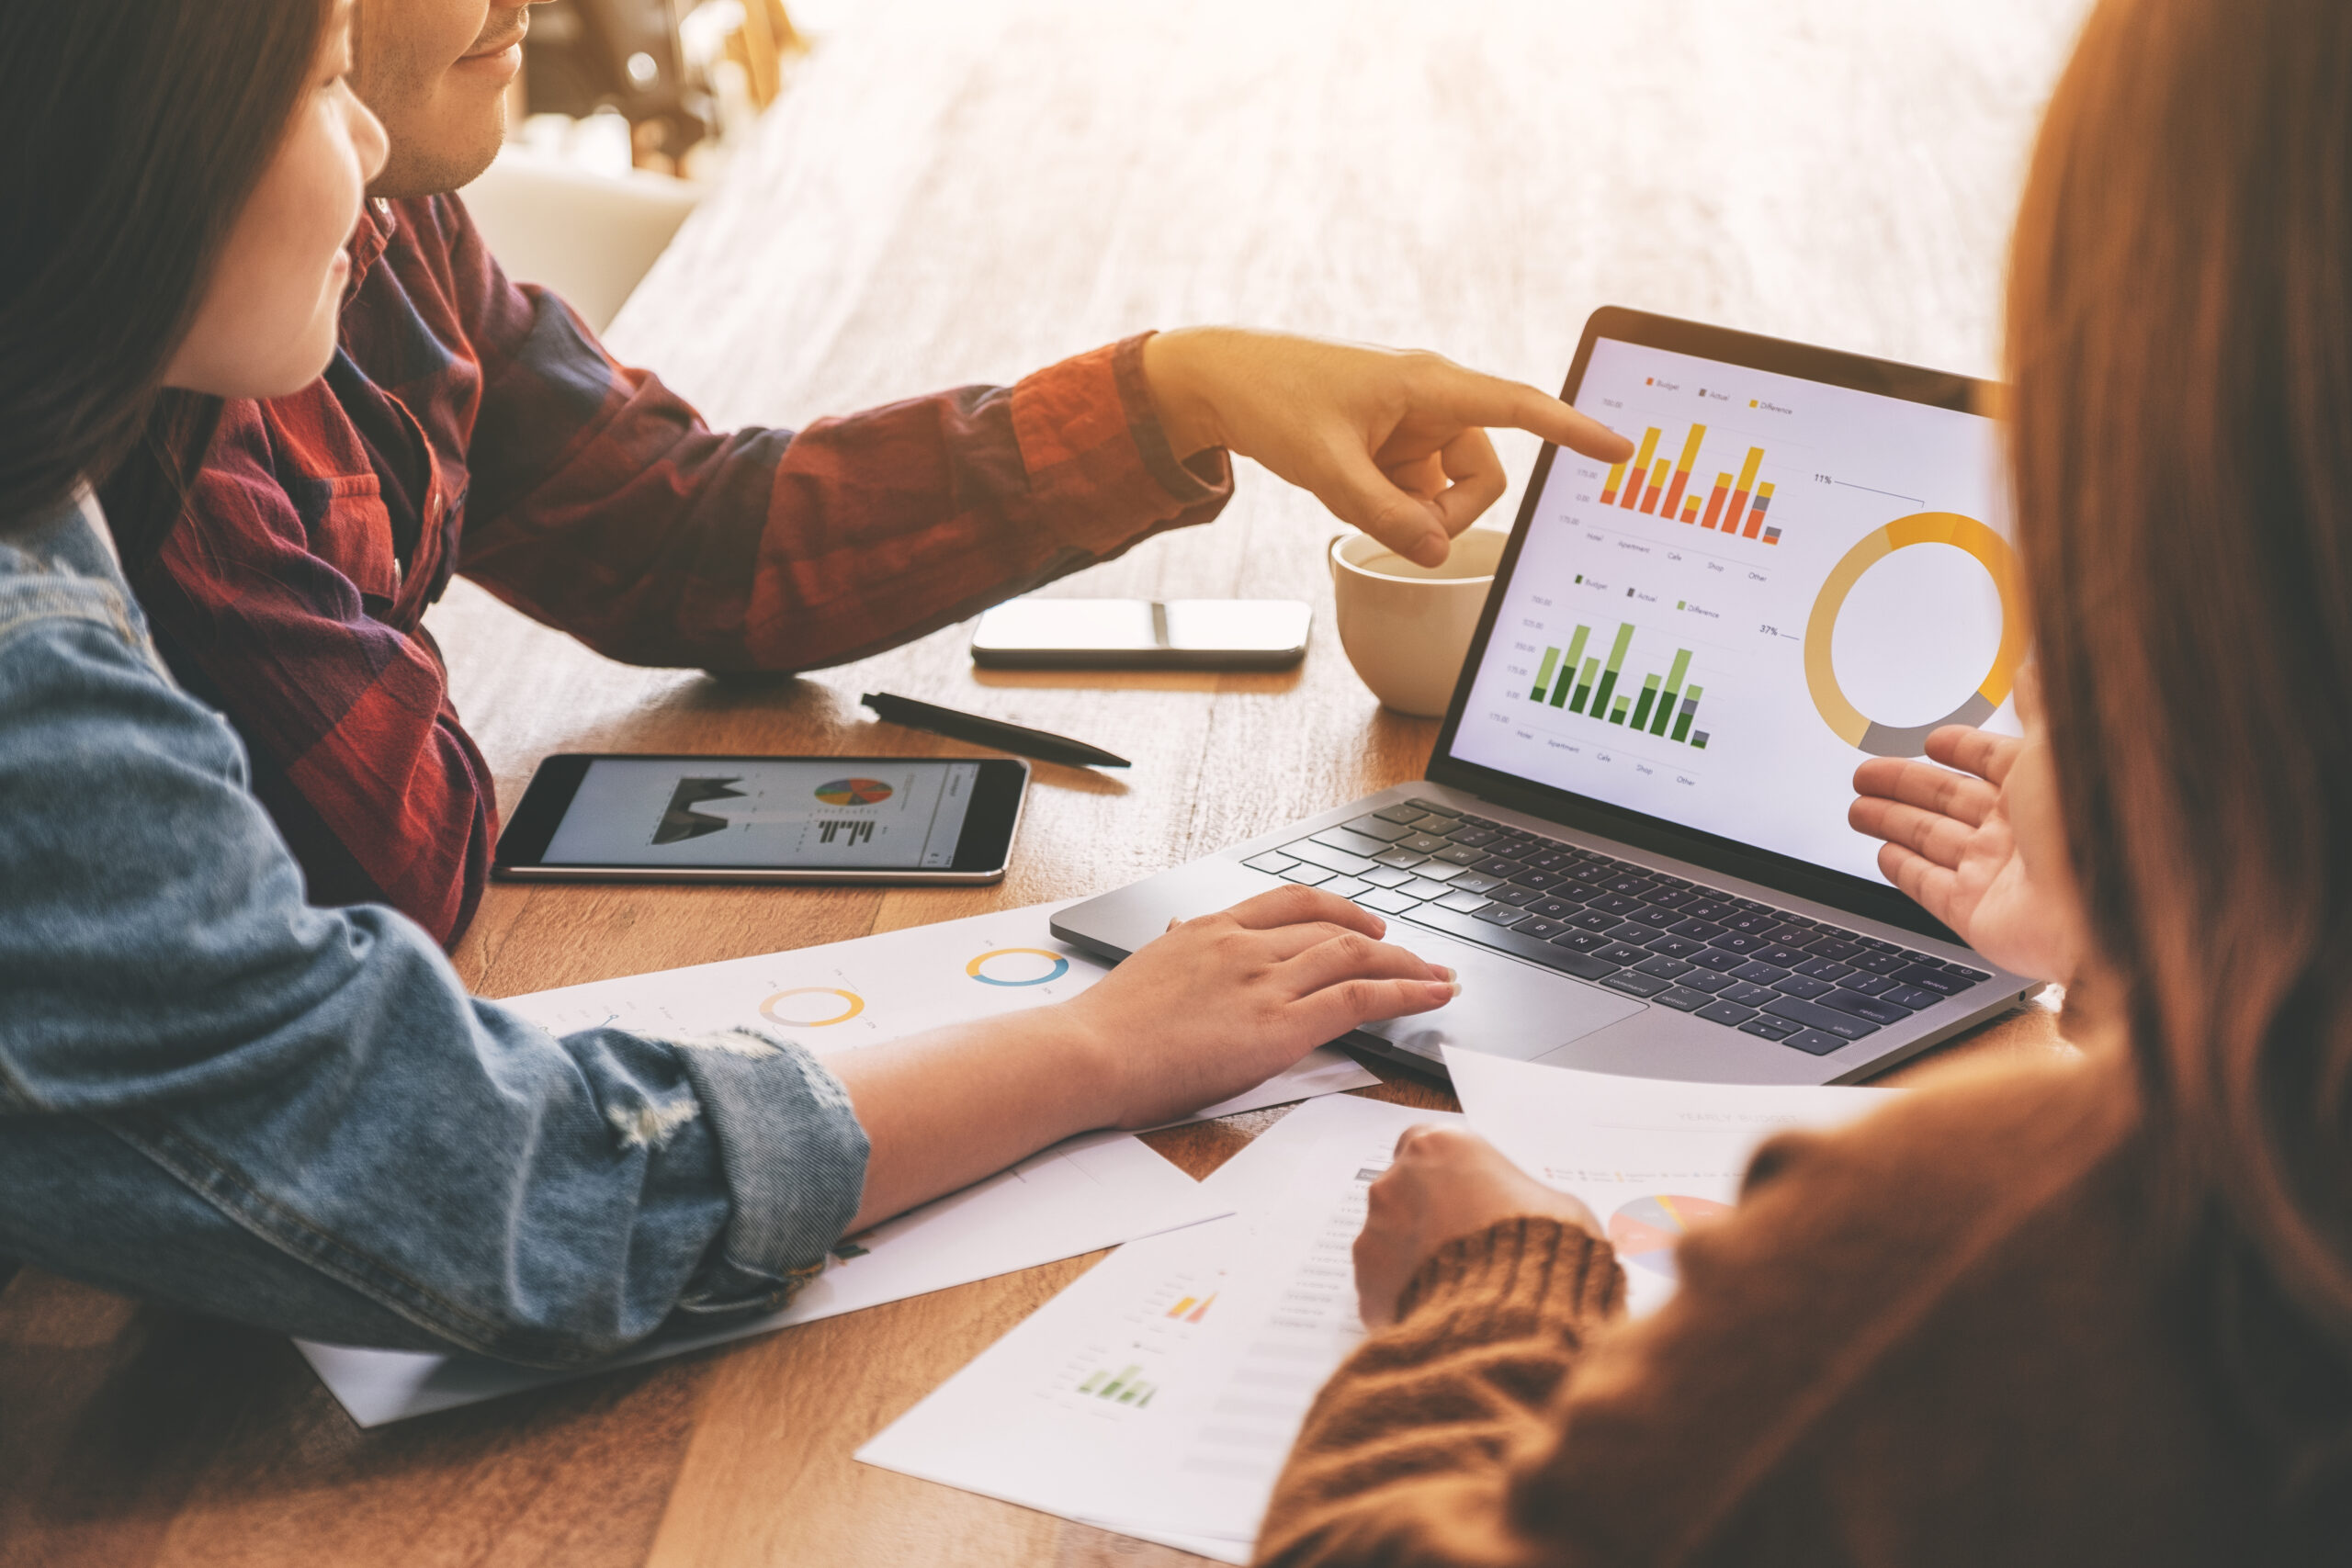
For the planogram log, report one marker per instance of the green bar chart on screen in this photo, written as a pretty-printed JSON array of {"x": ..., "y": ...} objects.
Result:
[
  {"x": 1649, "y": 697},
  {"x": 1663, "y": 706},
  {"x": 1584, "y": 685},
  {"x": 1673, "y": 688}
]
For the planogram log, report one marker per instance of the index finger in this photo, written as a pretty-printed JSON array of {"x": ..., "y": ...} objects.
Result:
[{"x": 1489, "y": 401}]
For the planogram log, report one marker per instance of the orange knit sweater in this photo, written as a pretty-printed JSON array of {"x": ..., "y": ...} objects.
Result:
[{"x": 1938, "y": 1338}]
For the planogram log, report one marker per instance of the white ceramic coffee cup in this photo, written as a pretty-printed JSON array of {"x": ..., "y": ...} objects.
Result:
[{"x": 1406, "y": 629}]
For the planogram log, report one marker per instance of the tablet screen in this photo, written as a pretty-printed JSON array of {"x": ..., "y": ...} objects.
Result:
[
  {"x": 733, "y": 812},
  {"x": 1787, "y": 578}
]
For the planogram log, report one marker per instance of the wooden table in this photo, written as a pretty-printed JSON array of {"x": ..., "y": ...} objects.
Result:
[{"x": 952, "y": 192}]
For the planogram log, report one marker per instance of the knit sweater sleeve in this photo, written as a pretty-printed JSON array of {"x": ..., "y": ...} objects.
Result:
[
  {"x": 1409, "y": 1454},
  {"x": 1937, "y": 1337}
]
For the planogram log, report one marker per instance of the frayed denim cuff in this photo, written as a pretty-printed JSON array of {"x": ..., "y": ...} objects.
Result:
[{"x": 794, "y": 1157}]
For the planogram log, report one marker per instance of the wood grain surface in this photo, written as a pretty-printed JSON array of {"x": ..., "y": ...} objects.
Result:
[{"x": 950, "y": 192}]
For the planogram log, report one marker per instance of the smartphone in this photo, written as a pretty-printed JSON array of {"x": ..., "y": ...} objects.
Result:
[
  {"x": 1143, "y": 634},
  {"x": 645, "y": 819}
]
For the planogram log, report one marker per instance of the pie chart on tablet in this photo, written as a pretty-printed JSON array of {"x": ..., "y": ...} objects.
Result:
[
  {"x": 1645, "y": 1231},
  {"x": 854, "y": 792}
]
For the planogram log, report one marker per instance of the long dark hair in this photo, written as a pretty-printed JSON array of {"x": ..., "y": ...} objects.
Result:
[
  {"x": 131, "y": 134},
  {"x": 2180, "y": 344}
]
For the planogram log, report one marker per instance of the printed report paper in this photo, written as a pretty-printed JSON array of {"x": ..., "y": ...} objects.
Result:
[
  {"x": 1090, "y": 1193},
  {"x": 1653, "y": 1158},
  {"x": 1159, "y": 1394}
]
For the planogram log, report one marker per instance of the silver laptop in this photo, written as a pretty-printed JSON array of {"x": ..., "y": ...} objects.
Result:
[{"x": 1631, "y": 840}]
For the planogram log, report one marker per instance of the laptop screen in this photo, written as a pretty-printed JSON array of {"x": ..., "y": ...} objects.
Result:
[{"x": 1789, "y": 577}]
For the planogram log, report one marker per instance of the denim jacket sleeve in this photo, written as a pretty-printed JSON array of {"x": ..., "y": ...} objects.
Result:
[{"x": 214, "y": 1093}]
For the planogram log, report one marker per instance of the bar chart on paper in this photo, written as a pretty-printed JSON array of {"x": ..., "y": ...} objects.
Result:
[
  {"x": 1651, "y": 485},
  {"x": 1666, "y": 705},
  {"x": 1144, "y": 1347},
  {"x": 1124, "y": 1386}
]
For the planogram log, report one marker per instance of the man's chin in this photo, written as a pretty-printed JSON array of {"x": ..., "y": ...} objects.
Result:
[{"x": 435, "y": 165}]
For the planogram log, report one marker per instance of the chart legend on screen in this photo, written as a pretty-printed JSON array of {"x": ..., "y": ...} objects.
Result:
[
  {"x": 1649, "y": 484},
  {"x": 1663, "y": 707}
]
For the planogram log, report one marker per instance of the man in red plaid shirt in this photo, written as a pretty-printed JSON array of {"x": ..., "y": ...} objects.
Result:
[{"x": 470, "y": 425}]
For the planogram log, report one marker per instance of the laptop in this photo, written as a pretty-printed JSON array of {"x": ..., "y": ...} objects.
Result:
[{"x": 1630, "y": 842}]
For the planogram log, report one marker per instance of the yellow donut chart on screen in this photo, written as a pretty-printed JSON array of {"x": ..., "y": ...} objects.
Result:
[
  {"x": 782, "y": 1008},
  {"x": 1854, "y": 726}
]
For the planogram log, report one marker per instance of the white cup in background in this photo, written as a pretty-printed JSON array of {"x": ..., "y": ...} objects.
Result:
[{"x": 1406, "y": 629}]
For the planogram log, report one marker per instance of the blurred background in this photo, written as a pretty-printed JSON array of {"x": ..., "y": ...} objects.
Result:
[
  {"x": 624, "y": 113},
  {"x": 1683, "y": 149},
  {"x": 947, "y": 192}
]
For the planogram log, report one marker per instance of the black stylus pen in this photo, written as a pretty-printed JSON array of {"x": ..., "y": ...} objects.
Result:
[{"x": 981, "y": 731}]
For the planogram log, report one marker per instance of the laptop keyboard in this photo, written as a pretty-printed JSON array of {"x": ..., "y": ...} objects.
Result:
[{"x": 1734, "y": 961}]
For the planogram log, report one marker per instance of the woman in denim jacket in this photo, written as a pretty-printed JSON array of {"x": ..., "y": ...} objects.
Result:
[{"x": 213, "y": 1093}]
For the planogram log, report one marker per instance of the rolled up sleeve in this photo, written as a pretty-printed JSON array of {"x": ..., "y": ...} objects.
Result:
[
  {"x": 213, "y": 1093},
  {"x": 794, "y": 1155}
]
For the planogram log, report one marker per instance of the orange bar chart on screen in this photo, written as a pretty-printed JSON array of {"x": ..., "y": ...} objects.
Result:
[
  {"x": 1682, "y": 467},
  {"x": 1658, "y": 483},
  {"x": 1746, "y": 488},
  {"x": 1633, "y": 497},
  {"x": 1715, "y": 501}
]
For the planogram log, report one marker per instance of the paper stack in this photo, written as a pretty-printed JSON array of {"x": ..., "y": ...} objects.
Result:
[{"x": 1159, "y": 1394}]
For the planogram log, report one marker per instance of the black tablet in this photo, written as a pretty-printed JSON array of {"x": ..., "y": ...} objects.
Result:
[{"x": 687, "y": 818}]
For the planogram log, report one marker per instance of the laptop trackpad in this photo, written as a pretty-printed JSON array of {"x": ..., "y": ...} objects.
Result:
[{"x": 1506, "y": 1007}]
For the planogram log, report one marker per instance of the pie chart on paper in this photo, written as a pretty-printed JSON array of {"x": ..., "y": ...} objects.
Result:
[
  {"x": 854, "y": 792},
  {"x": 1645, "y": 1231}
]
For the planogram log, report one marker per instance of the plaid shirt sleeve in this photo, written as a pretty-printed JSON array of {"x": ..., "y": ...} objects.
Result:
[
  {"x": 602, "y": 504},
  {"x": 593, "y": 499}
]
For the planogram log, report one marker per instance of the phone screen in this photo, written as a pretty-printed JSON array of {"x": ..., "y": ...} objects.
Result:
[{"x": 869, "y": 814}]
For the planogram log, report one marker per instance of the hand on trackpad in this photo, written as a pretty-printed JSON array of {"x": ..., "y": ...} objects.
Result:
[{"x": 1506, "y": 1007}]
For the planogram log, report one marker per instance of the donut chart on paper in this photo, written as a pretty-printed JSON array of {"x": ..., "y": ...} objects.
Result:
[
  {"x": 1992, "y": 551},
  {"x": 1646, "y": 1231},
  {"x": 812, "y": 1006},
  {"x": 1015, "y": 974}
]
